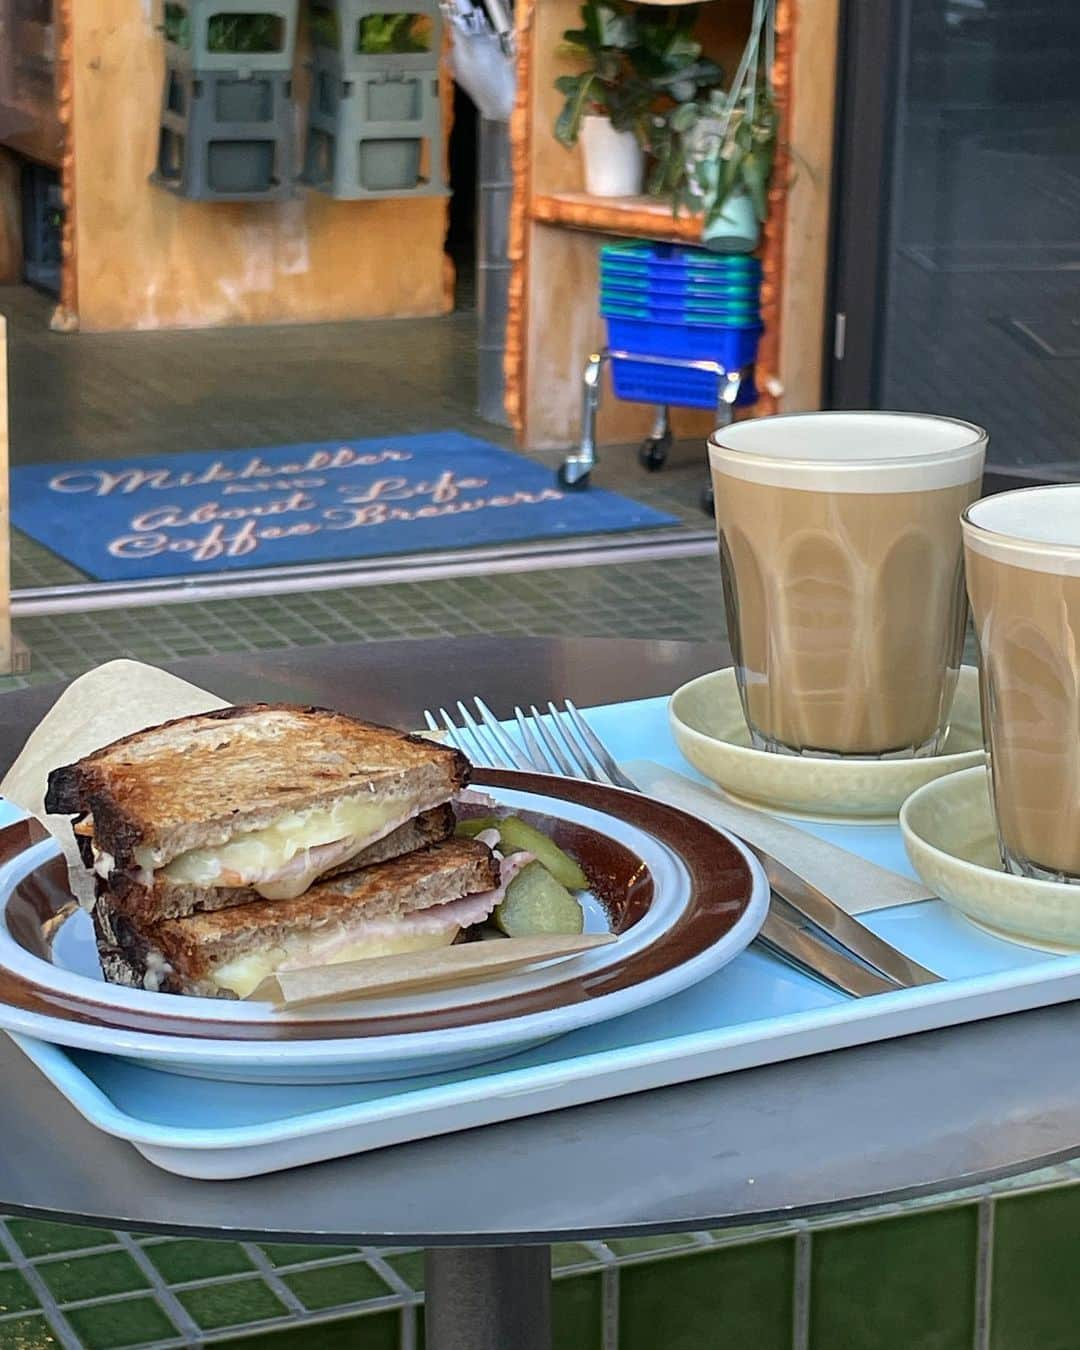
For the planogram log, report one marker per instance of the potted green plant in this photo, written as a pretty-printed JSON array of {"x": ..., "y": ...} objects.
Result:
[
  {"x": 715, "y": 154},
  {"x": 634, "y": 58}
]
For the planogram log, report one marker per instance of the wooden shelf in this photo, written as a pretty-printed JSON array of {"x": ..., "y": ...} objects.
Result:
[{"x": 643, "y": 217}]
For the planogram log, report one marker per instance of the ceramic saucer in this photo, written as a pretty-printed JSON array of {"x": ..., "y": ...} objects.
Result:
[
  {"x": 709, "y": 728},
  {"x": 951, "y": 840}
]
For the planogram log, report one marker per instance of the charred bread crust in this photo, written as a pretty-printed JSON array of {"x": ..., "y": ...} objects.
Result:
[
  {"x": 85, "y": 788},
  {"x": 127, "y": 958}
]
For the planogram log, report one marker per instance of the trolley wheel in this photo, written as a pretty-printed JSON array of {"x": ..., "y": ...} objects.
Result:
[
  {"x": 653, "y": 451},
  {"x": 572, "y": 484},
  {"x": 708, "y": 505}
]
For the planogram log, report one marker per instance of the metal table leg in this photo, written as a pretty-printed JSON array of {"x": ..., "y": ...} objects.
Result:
[{"x": 487, "y": 1298}]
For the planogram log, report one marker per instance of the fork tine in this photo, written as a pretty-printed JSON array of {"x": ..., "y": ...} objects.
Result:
[
  {"x": 432, "y": 725},
  {"x": 540, "y": 760},
  {"x": 581, "y": 761},
  {"x": 459, "y": 736},
  {"x": 599, "y": 750},
  {"x": 554, "y": 753},
  {"x": 492, "y": 754},
  {"x": 501, "y": 736}
]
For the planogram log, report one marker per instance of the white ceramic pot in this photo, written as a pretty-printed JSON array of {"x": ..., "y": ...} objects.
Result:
[{"x": 614, "y": 160}]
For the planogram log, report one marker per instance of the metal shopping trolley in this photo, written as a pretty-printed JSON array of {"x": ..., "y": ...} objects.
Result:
[{"x": 683, "y": 329}]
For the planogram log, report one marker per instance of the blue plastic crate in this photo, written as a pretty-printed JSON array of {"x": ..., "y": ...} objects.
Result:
[
  {"x": 638, "y": 382},
  {"x": 670, "y": 386}
]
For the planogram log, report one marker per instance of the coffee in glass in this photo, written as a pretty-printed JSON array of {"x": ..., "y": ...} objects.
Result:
[
  {"x": 1022, "y": 553},
  {"x": 842, "y": 568}
]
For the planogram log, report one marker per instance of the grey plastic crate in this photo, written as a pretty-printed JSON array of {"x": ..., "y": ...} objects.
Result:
[
  {"x": 196, "y": 54},
  {"x": 226, "y": 137},
  {"x": 375, "y": 121}
]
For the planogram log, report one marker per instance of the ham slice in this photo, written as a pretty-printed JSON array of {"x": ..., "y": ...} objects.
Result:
[{"x": 450, "y": 917}]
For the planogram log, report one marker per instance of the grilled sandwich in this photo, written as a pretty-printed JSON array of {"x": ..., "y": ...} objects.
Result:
[
  {"x": 261, "y": 799},
  {"x": 416, "y": 902}
]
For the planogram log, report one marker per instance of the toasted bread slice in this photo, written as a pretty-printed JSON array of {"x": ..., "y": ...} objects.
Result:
[
  {"x": 199, "y": 782},
  {"x": 163, "y": 899},
  {"x": 185, "y": 956}
]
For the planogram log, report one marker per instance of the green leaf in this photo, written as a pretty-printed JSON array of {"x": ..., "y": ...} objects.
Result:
[
  {"x": 568, "y": 124},
  {"x": 684, "y": 117},
  {"x": 755, "y": 179}
]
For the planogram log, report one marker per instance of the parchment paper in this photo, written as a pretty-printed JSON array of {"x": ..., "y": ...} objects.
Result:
[{"x": 111, "y": 701}]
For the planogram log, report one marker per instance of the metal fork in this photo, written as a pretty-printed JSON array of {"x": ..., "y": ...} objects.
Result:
[{"x": 565, "y": 744}]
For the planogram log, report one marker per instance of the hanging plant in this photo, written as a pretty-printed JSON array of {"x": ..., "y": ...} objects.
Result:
[{"x": 709, "y": 152}]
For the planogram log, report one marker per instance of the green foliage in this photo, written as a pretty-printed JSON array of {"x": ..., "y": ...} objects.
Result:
[
  {"x": 636, "y": 59},
  {"x": 177, "y": 25},
  {"x": 248, "y": 33},
  {"x": 384, "y": 34},
  {"x": 708, "y": 150}
]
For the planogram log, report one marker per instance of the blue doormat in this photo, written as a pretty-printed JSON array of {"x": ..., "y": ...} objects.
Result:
[{"x": 190, "y": 514}]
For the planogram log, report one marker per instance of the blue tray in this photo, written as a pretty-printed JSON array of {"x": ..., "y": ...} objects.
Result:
[
  {"x": 649, "y": 289},
  {"x": 667, "y": 312},
  {"x": 674, "y": 260},
  {"x": 755, "y": 1011}
]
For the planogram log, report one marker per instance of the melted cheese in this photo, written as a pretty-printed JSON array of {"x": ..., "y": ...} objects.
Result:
[
  {"x": 247, "y": 972},
  {"x": 276, "y": 859}
]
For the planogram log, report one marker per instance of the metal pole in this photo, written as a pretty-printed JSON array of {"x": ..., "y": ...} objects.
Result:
[
  {"x": 495, "y": 187},
  {"x": 487, "y": 1298}
]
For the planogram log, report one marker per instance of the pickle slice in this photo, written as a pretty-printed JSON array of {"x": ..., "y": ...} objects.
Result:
[
  {"x": 536, "y": 903},
  {"x": 517, "y": 837},
  {"x": 469, "y": 829}
]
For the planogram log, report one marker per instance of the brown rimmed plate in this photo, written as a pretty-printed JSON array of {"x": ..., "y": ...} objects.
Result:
[{"x": 683, "y": 897}]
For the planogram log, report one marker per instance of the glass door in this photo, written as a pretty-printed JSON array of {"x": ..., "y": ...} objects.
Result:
[{"x": 967, "y": 300}]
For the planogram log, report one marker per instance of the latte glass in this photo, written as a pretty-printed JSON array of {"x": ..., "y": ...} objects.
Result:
[
  {"x": 1023, "y": 568},
  {"x": 842, "y": 566}
]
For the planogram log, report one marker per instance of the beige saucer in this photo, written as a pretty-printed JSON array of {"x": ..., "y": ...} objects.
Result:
[
  {"x": 709, "y": 728},
  {"x": 950, "y": 837}
]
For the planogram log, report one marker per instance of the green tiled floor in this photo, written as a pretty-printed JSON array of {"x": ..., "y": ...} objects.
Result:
[{"x": 984, "y": 1270}]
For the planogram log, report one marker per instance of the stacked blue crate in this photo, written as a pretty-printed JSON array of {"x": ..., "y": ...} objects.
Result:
[{"x": 685, "y": 304}]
